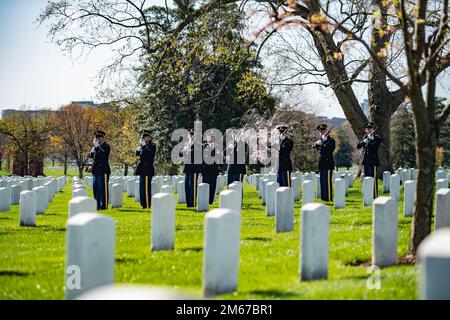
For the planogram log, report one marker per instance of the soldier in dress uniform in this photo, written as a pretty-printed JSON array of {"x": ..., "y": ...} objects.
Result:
[
  {"x": 326, "y": 145},
  {"x": 284, "y": 157},
  {"x": 100, "y": 169},
  {"x": 210, "y": 168},
  {"x": 370, "y": 142},
  {"x": 145, "y": 168},
  {"x": 236, "y": 155},
  {"x": 191, "y": 169}
]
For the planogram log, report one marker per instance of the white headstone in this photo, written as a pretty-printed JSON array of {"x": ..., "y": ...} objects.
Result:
[
  {"x": 82, "y": 204},
  {"x": 368, "y": 190},
  {"x": 166, "y": 189},
  {"x": 314, "y": 245},
  {"x": 295, "y": 184},
  {"x": 394, "y": 187},
  {"x": 15, "y": 193},
  {"x": 27, "y": 210},
  {"x": 181, "y": 192},
  {"x": 114, "y": 292},
  {"x": 384, "y": 236},
  {"x": 257, "y": 178},
  {"x": 318, "y": 189},
  {"x": 90, "y": 252},
  {"x": 154, "y": 185},
  {"x": 221, "y": 251},
  {"x": 202, "y": 197},
  {"x": 386, "y": 181},
  {"x": 263, "y": 190},
  {"x": 79, "y": 193},
  {"x": 442, "y": 209},
  {"x": 284, "y": 210},
  {"x": 163, "y": 222},
  {"x": 230, "y": 199},
  {"x": 441, "y": 174},
  {"x": 271, "y": 188},
  {"x": 434, "y": 265},
  {"x": 130, "y": 187},
  {"x": 137, "y": 193},
  {"x": 5, "y": 199},
  {"x": 410, "y": 194},
  {"x": 46, "y": 194},
  {"x": 441, "y": 184},
  {"x": 413, "y": 174},
  {"x": 116, "y": 195},
  {"x": 237, "y": 186},
  {"x": 339, "y": 194},
  {"x": 41, "y": 199},
  {"x": 308, "y": 192}
]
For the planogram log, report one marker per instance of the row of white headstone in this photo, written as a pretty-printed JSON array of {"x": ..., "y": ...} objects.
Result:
[
  {"x": 266, "y": 186},
  {"x": 118, "y": 185},
  {"x": 385, "y": 225},
  {"x": 32, "y": 194},
  {"x": 222, "y": 240},
  {"x": 91, "y": 240}
]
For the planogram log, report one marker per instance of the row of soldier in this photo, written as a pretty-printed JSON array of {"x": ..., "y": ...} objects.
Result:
[{"x": 147, "y": 149}]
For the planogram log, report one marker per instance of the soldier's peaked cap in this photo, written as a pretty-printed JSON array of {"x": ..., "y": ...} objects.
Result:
[
  {"x": 99, "y": 133},
  {"x": 369, "y": 125},
  {"x": 322, "y": 126},
  {"x": 146, "y": 132},
  {"x": 282, "y": 128}
]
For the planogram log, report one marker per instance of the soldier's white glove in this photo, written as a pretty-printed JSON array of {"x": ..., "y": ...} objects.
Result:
[
  {"x": 371, "y": 137},
  {"x": 139, "y": 149},
  {"x": 366, "y": 141},
  {"x": 142, "y": 142},
  {"x": 95, "y": 142},
  {"x": 93, "y": 149},
  {"x": 324, "y": 138},
  {"x": 319, "y": 142}
]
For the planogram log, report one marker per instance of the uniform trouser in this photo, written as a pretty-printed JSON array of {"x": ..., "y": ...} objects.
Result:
[
  {"x": 326, "y": 185},
  {"x": 145, "y": 191},
  {"x": 232, "y": 177},
  {"x": 101, "y": 192},
  {"x": 284, "y": 178},
  {"x": 371, "y": 171},
  {"x": 190, "y": 188},
  {"x": 211, "y": 179}
]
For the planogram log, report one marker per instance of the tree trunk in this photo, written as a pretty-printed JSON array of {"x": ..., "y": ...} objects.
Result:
[
  {"x": 80, "y": 170},
  {"x": 8, "y": 163},
  {"x": 65, "y": 166},
  {"x": 25, "y": 163},
  {"x": 382, "y": 121},
  {"x": 426, "y": 142}
]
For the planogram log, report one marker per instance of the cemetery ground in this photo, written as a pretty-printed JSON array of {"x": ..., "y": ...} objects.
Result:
[{"x": 32, "y": 258}]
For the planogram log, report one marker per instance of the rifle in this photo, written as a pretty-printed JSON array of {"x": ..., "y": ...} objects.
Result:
[
  {"x": 326, "y": 135},
  {"x": 362, "y": 159},
  {"x": 328, "y": 132}
]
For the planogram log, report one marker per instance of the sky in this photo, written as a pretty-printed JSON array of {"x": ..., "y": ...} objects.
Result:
[{"x": 35, "y": 73}]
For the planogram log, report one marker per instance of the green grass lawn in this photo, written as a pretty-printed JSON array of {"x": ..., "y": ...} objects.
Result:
[{"x": 32, "y": 258}]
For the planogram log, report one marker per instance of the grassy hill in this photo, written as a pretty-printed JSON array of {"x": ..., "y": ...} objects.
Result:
[{"x": 32, "y": 258}]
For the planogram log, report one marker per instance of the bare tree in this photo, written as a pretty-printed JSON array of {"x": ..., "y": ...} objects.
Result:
[
  {"x": 76, "y": 126},
  {"x": 28, "y": 134}
]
